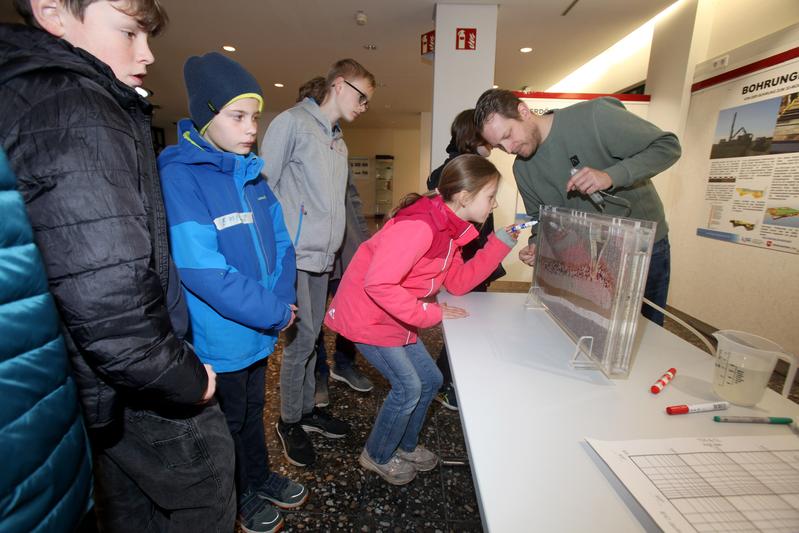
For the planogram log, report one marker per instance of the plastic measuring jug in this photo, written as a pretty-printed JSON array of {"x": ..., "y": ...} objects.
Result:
[{"x": 744, "y": 363}]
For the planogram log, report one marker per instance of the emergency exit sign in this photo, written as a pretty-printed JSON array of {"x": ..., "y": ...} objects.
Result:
[{"x": 466, "y": 39}]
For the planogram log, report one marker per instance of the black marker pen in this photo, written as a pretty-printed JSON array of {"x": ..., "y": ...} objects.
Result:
[{"x": 594, "y": 196}]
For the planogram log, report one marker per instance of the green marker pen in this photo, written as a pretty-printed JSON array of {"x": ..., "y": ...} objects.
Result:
[{"x": 754, "y": 419}]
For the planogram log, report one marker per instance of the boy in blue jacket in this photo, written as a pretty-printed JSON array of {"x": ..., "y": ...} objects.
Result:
[{"x": 236, "y": 263}]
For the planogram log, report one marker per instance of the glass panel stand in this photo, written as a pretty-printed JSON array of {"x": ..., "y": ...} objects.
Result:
[{"x": 581, "y": 358}]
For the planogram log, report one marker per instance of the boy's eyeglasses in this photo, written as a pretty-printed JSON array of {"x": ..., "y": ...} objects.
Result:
[{"x": 363, "y": 100}]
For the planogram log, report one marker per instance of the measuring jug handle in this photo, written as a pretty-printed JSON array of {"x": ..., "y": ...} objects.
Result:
[{"x": 789, "y": 377}]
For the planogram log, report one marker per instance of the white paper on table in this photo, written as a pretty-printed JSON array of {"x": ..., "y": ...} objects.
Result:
[{"x": 711, "y": 484}]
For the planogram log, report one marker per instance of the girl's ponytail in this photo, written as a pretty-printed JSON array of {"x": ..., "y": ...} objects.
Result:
[{"x": 315, "y": 88}]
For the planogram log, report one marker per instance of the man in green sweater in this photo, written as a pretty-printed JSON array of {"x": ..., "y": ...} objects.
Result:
[{"x": 565, "y": 156}]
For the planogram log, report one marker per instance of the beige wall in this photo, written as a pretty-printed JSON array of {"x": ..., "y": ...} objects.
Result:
[
  {"x": 737, "y": 22},
  {"x": 402, "y": 144}
]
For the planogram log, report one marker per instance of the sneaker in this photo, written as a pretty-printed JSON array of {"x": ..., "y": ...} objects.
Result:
[
  {"x": 321, "y": 396},
  {"x": 395, "y": 471},
  {"x": 282, "y": 491},
  {"x": 421, "y": 458},
  {"x": 353, "y": 378},
  {"x": 297, "y": 447},
  {"x": 258, "y": 516},
  {"x": 320, "y": 421},
  {"x": 447, "y": 398}
]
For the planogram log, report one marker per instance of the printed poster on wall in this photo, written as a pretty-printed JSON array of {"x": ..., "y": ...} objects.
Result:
[{"x": 752, "y": 192}]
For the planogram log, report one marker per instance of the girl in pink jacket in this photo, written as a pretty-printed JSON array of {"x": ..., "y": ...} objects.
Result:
[{"x": 388, "y": 293}]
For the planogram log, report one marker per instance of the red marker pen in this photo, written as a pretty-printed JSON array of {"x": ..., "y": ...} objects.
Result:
[
  {"x": 696, "y": 408},
  {"x": 663, "y": 381}
]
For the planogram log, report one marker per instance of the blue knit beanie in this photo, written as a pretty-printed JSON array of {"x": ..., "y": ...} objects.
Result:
[{"x": 214, "y": 81}]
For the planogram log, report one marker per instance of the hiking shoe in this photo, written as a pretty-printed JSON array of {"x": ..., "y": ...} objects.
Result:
[
  {"x": 395, "y": 471},
  {"x": 321, "y": 396},
  {"x": 282, "y": 491},
  {"x": 447, "y": 398},
  {"x": 421, "y": 458},
  {"x": 297, "y": 447},
  {"x": 353, "y": 378},
  {"x": 257, "y": 515},
  {"x": 320, "y": 421}
]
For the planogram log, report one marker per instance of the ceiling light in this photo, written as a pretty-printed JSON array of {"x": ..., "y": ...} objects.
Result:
[
  {"x": 370, "y": 46},
  {"x": 495, "y": 86},
  {"x": 360, "y": 18},
  {"x": 144, "y": 93},
  {"x": 228, "y": 48},
  {"x": 525, "y": 50},
  {"x": 279, "y": 85}
]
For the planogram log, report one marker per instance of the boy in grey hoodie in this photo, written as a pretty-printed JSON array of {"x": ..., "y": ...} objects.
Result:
[{"x": 306, "y": 167}]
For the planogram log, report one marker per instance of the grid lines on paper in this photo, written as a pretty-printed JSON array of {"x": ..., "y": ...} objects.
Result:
[{"x": 755, "y": 491}]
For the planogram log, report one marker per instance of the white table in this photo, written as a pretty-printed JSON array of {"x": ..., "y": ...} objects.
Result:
[{"x": 526, "y": 412}]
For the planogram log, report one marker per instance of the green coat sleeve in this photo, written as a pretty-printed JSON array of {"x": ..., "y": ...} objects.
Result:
[{"x": 643, "y": 149}]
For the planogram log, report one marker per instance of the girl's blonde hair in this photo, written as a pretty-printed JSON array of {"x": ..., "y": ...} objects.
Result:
[
  {"x": 467, "y": 172},
  {"x": 349, "y": 69}
]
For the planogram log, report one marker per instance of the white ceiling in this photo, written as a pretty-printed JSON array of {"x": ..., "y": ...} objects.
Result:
[{"x": 291, "y": 41}]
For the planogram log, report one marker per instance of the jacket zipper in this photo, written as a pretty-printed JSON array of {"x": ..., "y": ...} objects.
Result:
[
  {"x": 161, "y": 245},
  {"x": 265, "y": 266},
  {"x": 446, "y": 258},
  {"x": 330, "y": 184},
  {"x": 299, "y": 224}
]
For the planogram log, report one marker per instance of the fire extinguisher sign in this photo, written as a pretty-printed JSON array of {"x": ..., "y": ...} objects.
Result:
[{"x": 466, "y": 39}]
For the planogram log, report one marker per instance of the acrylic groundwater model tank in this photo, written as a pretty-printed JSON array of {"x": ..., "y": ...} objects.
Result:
[{"x": 590, "y": 272}]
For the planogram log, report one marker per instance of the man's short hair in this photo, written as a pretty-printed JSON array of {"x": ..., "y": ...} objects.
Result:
[
  {"x": 496, "y": 101},
  {"x": 150, "y": 15}
]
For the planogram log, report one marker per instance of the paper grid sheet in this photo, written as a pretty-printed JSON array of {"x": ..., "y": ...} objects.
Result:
[{"x": 736, "y": 484}]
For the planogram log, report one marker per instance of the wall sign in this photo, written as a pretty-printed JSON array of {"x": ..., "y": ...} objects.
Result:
[
  {"x": 428, "y": 42},
  {"x": 466, "y": 39}
]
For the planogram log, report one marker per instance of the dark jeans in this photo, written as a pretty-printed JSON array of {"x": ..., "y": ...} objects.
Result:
[
  {"x": 241, "y": 397},
  {"x": 657, "y": 281},
  {"x": 344, "y": 356},
  {"x": 158, "y": 471}
]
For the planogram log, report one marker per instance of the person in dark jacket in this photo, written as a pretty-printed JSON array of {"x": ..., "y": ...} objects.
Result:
[
  {"x": 78, "y": 137},
  {"x": 465, "y": 140},
  {"x": 40, "y": 422}
]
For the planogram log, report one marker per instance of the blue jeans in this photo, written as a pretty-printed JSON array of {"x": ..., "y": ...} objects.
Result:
[
  {"x": 657, "y": 281},
  {"x": 414, "y": 381}
]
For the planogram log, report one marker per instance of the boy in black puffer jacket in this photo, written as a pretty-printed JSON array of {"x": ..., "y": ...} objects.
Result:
[{"x": 78, "y": 138}]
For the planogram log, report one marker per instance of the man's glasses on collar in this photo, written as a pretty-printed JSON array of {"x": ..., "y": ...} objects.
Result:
[{"x": 363, "y": 99}]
